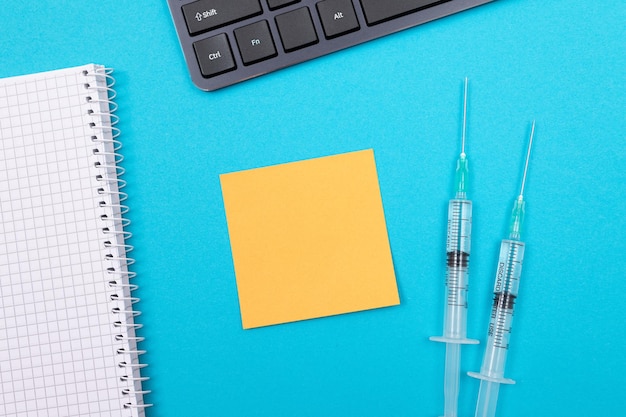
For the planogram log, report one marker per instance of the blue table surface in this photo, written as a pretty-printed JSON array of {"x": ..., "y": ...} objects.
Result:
[{"x": 561, "y": 63}]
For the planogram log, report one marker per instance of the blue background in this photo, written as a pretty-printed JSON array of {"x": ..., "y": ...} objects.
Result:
[{"x": 560, "y": 62}]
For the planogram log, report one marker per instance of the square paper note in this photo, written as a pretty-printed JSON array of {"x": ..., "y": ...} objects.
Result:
[{"x": 309, "y": 239}]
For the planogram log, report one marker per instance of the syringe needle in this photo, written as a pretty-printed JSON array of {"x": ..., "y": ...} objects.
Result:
[
  {"x": 505, "y": 291},
  {"x": 530, "y": 144},
  {"x": 462, "y": 169},
  {"x": 464, "y": 116},
  {"x": 458, "y": 252},
  {"x": 517, "y": 215}
]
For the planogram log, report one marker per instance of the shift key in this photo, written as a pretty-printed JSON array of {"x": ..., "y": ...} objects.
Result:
[{"x": 203, "y": 15}]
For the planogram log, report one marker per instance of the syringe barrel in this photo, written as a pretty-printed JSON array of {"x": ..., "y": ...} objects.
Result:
[
  {"x": 505, "y": 293},
  {"x": 458, "y": 251}
]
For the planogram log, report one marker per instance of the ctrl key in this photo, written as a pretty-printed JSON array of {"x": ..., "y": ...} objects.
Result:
[{"x": 214, "y": 55}]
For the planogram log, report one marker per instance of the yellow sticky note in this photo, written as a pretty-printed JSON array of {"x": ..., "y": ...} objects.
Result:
[{"x": 309, "y": 239}]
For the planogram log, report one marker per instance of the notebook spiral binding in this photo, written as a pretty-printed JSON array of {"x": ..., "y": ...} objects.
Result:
[{"x": 99, "y": 85}]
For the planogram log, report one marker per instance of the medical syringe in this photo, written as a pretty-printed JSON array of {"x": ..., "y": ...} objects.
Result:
[
  {"x": 505, "y": 291},
  {"x": 457, "y": 252}
]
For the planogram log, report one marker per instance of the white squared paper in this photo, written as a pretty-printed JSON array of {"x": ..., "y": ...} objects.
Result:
[{"x": 58, "y": 353}]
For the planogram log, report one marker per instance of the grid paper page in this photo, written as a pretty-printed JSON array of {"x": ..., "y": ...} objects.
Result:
[{"x": 58, "y": 353}]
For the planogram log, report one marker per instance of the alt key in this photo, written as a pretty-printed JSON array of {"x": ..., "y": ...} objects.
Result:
[{"x": 338, "y": 17}]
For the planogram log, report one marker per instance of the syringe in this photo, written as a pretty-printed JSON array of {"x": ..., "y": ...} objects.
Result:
[
  {"x": 505, "y": 293},
  {"x": 458, "y": 252}
]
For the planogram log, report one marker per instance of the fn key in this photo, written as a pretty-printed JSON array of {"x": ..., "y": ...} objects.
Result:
[{"x": 255, "y": 42}]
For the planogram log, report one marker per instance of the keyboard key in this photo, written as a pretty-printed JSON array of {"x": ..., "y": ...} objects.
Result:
[
  {"x": 275, "y": 4},
  {"x": 337, "y": 16},
  {"x": 296, "y": 29},
  {"x": 214, "y": 55},
  {"x": 255, "y": 42},
  {"x": 203, "y": 15},
  {"x": 377, "y": 11}
]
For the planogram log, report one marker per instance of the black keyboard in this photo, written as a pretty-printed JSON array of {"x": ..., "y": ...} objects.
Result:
[{"x": 228, "y": 41}]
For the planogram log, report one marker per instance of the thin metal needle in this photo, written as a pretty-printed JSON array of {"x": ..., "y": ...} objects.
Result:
[
  {"x": 464, "y": 117},
  {"x": 530, "y": 144}
]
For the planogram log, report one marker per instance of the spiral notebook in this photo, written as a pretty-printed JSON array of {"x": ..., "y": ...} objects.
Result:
[{"x": 68, "y": 343}]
